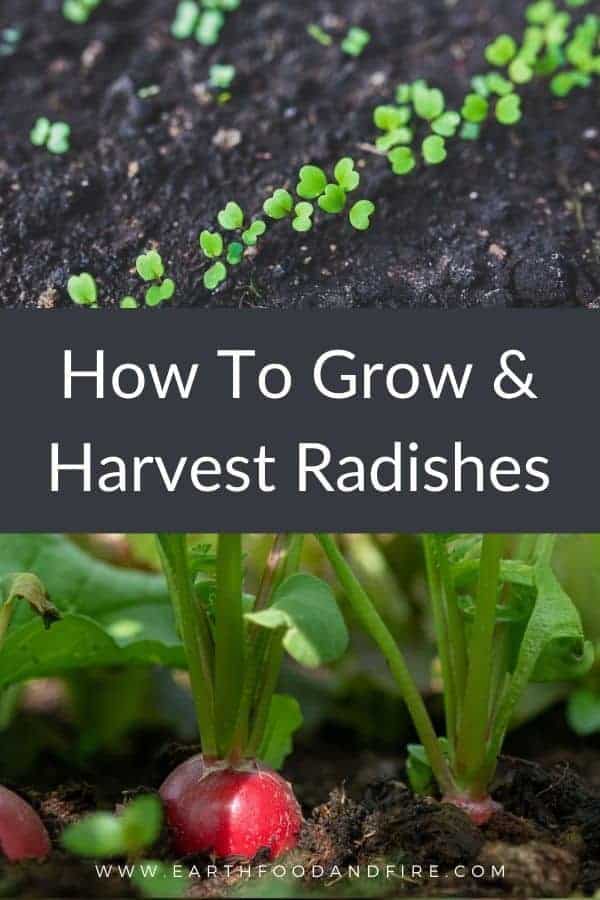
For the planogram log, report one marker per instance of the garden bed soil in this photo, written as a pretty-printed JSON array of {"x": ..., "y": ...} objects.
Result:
[
  {"x": 360, "y": 812},
  {"x": 512, "y": 220}
]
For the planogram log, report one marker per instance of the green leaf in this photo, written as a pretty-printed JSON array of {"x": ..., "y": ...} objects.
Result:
[
  {"x": 82, "y": 289},
  {"x": 583, "y": 712},
  {"x": 40, "y": 131},
  {"x": 418, "y": 769},
  {"x": 209, "y": 27},
  {"x": 552, "y": 647},
  {"x": 312, "y": 182},
  {"x": 403, "y": 160},
  {"x": 346, "y": 176},
  {"x": 390, "y": 118},
  {"x": 355, "y": 41},
  {"x": 102, "y": 835},
  {"x": 319, "y": 35},
  {"x": 215, "y": 276},
  {"x": 303, "y": 220},
  {"x": 156, "y": 880},
  {"x": 221, "y": 76},
  {"x": 475, "y": 109},
  {"x": 333, "y": 200},
  {"x": 541, "y": 12},
  {"x": 110, "y": 616},
  {"x": 251, "y": 235},
  {"x": 360, "y": 215},
  {"x": 232, "y": 217},
  {"x": 315, "y": 631},
  {"x": 159, "y": 293},
  {"x": 150, "y": 266},
  {"x": 279, "y": 205},
  {"x": 211, "y": 244},
  {"x": 508, "y": 109},
  {"x": 447, "y": 124},
  {"x": 284, "y": 719},
  {"x": 392, "y": 138},
  {"x": 429, "y": 103},
  {"x": 501, "y": 51},
  {"x": 434, "y": 150},
  {"x": 520, "y": 71},
  {"x": 186, "y": 19},
  {"x": 235, "y": 253},
  {"x": 128, "y": 303},
  {"x": 58, "y": 139}
]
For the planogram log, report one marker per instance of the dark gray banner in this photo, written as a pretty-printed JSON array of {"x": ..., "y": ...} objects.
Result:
[{"x": 384, "y": 421}]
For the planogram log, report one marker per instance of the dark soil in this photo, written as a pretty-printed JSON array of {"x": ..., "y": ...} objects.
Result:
[
  {"x": 359, "y": 812},
  {"x": 513, "y": 220}
]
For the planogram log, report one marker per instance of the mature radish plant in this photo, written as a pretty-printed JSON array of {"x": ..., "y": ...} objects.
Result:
[
  {"x": 22, "y": 832},
  {"x": 501, "y": 622},
  {"x": 230, "y": 801}
]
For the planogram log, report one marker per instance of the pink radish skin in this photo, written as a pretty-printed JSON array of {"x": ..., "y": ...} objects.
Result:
[
  {"x": 22, "y": 833},
  {"x": 230, "y": 811},
  {"x": 479, "y": 811}
]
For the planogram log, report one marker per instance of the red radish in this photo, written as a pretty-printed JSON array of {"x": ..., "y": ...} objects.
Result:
[
  {"x": 22, "y": 833},
  {"x": 230, "y": 811},
  {"x": 479, "y": 811}
]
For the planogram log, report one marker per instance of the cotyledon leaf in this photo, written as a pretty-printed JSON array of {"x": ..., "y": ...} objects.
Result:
[{"x": 110, "y": 616}]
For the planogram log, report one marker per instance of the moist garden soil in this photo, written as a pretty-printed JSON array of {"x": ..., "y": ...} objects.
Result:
[
  {"x": 358, "y": 812},
  {"x": 512, "y": 220}
]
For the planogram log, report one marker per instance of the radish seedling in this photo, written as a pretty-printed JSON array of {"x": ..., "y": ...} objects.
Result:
[
  {"x": 22, "y": 833},
  {"x": 356, "y": 41},
  {"x": 312, "y": 185},
  {"x": 230, "y": 801},
  {"x": 102, "y": 835},
  {"x": 500, "y": 623},
  {"x": 203, "y": 20},
  {"x": 54, "y": 136},
  {"x": 79, "y": 11}
]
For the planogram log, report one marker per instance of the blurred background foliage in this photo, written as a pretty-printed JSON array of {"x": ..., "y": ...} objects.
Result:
[{"x": 354, "y": 703}]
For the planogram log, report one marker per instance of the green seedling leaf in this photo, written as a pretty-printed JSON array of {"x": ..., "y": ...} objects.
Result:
[
  {"x": 209, "y": 27},
  {"x": 346, "y": 175},
  {"x": 356, "y": 41},
  {"x": 390, "y": 140},
  {"x": 221, "y": 77},
  {"x": 150, "y": 266},
  {"x": 160, "y": 293},
  {"x": 583, "y": 712},
  {"x": 279, "y": 205},
  {"x": 404, "y": 93},
  {"x": 447, "y": 124},
  {"x": 186, "y": 20},
  {"x": 58, "y": 139},
  {"x": 40, "y": 132},
  {"x": 501, "y": 51},
  {"x": 562, "y": 84},
  {"x": 429, "y": 103},
  {"x": 156, "y": 880},
  {"x": 232, "y": 217},
  {"x": 389, "y": 118},
  {"x": 520, "y": 71},
  {"x": 313, "y": 182},
  {"x": 303, "y": 219},
  {"x": 129, "y": 303},
  {"x": 211, "y": 244},
  {"x": 479, "y": 83},
  {"x": 508, "y": 109},
  {"x": 82, "y": 289},
  {"x": 497, "y": 84},
  {"x": 104, "y": 836},
  {"x": 541, "y": 12},
  {"x": 319, "y": 35},
  {"x": 304, "y": 608},
  {"x": 235, "y": 253},
  {"x": 256, "y": 230},
  {"x": 360, "y": 215},
  {"x": 215, "y": 276},
  {"x": 333, "y": 200},
  {"x": 552, "y": 647},
  {"x": 110, "y": 616},
  {"x": 470, "y": 131},
  {"x": 284, "y": 719},
  {"x": 434, "y": 150},
  {"x": 475, "y": 109},
  {"x": 418, "y": 769},
  {"x": 557, "y": 29},
  {"x": 403, "y": 160}
]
